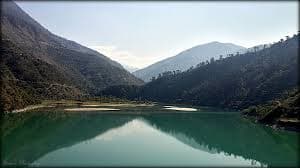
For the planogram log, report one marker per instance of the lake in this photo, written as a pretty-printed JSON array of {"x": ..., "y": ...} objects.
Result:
[{"x": 144, "y": 136}]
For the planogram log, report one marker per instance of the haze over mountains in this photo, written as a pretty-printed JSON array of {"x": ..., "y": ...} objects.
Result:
[
  {"x": 188, "y": 58},
  {"x": 37, "y": 65},
  {"x": 130, "y": 68},
  {"x": 238, "y": 81}
]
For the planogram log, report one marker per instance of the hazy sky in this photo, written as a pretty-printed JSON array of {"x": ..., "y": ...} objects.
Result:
[{"x": 141, "y": 33}]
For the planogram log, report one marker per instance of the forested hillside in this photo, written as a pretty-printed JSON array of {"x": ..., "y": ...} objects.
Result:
[
  {"x": 238, "y": 81},
  {"x": 37, "y": 65}
]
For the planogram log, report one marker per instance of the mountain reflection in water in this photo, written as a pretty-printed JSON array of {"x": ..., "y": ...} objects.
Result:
[{"x": 196, "y": 139}]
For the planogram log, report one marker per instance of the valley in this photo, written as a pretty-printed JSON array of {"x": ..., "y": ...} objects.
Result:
[{"x": 211, "y": 104}]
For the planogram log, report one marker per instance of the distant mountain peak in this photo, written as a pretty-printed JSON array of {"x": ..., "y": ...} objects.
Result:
[
  {"x": 187, "y": 58},
  {"x": 214, "y": 42}
]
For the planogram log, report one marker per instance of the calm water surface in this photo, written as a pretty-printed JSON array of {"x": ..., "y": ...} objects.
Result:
[{"x": 202, "y": 138}]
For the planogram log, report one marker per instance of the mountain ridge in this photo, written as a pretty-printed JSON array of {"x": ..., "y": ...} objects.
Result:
[
  {"x": 237, "y": 81},
  {"x": 12, "y": 11},
  {"x": 187, "y": 58},
  {"x": 271, "y": 70}
]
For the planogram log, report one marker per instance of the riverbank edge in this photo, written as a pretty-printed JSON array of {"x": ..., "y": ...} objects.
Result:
[
  {"x": 274, "y": 126},
  {"x": 281, "y": 113},
  {"x": 49, "y": 102},
  {"x": 60, "y": 103}
]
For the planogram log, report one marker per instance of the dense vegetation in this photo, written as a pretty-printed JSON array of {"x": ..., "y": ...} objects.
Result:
[
  {"x": 36, "y": 64},
  {"x": 283, "y": 112}
]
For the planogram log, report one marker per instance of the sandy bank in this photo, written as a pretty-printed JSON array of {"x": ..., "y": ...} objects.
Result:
[
  {"x": 32, "y": 107},
  {"x": 179, "y": 108},
  {"x": 91, "y": 109},
  {"x": 117, "y": 105}
]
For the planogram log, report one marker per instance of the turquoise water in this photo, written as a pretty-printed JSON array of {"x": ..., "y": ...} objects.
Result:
[{"x": 204, "y": 138}]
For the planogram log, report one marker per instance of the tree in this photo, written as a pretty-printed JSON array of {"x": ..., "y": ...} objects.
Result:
[
  {"x": 229, "y": 55},
  {"x": 167, "y": 73},
  {"x": 281, "y": 40},
  {"x": 287, "y": 37},
  {"x": 255, "y": 49},
  {"x": 265, "y": 46},
  {"x": 220, "y": 57},
  {"x": 212, "y": 60},
  {"x": 153, "y": 78},
  {"x": 191, "y": 68}
]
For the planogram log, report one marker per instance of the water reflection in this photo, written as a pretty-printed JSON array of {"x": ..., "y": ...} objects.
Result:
[
  {"x": 232, "y": 135},
  {"x": 27, "y": 137},
  {"x": 154, "y": 139}
]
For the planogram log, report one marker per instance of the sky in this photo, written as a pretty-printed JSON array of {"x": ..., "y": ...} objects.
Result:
[{"x": 141, "y": 33}]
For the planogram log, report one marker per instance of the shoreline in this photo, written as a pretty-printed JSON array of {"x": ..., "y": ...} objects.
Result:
[
  {"x": 280, "y": 125},
  {"x": 115, "y": 108},
  {"x": 92, "y": 105},
  {"x": 30, "y": 107}
]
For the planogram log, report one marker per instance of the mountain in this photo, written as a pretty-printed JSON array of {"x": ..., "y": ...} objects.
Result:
[
  {"x": 130, "y": 68},
  {"x": 36, "y": 64},
  {"x": 188, "y": 58},
  {"x": 237, "y": 82}
]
